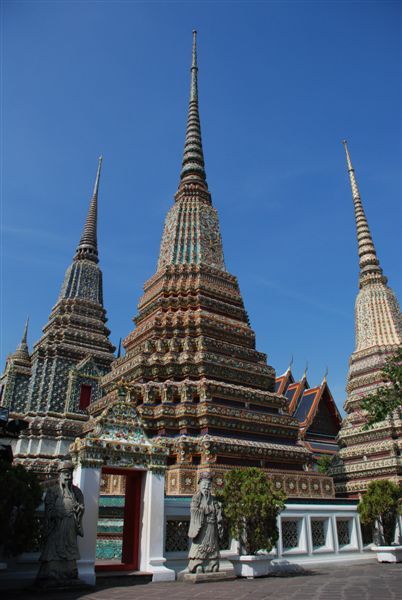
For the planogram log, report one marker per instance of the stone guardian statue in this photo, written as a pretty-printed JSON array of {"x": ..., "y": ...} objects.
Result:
[
  {"x": 205, "y": 529},
  {"x": 64, "y": 508}
]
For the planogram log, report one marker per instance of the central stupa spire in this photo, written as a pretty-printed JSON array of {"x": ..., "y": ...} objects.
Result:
[
  {"x": 191, "y": 235},
  {"x": 368, "y": 261},
  {"x": 193, "y": 166},
  {"x": 191, "y": 365},
  {"x": 88, "y": 246}
]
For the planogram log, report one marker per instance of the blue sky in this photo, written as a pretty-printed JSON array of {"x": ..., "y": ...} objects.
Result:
[{"x": 281, "y": 84}]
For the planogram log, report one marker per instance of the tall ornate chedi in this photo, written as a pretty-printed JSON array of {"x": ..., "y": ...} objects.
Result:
[
  {"x": 374, "y": 453},
  {"x": 191, "y": 366},
  {"x": 63, "y": 373},
  {"x": 14, "y": 381}
]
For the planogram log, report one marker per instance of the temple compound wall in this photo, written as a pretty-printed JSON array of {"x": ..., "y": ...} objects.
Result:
[{"x": 309, "y": 533}]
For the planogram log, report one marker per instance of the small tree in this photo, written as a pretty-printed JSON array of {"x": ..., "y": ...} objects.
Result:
[
  {"x": 251, "y": 506},
  {"x": 382, "y": 504},
  {"x": 324, "y": 463},
  {"x": 20, "y": 496},
  {"x": 387, "y": 398}
]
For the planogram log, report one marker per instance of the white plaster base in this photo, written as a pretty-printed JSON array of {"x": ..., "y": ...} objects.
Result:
[
  {"x": 86, "y": 571},
  {"x": 388, "y": 554},
  {"x": 159, "y": 571},
  {"x": 251, "y": 566}
]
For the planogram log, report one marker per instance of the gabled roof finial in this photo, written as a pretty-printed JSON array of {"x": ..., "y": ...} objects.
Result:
[
  {"x": 290, "y": 365},
  {"x": 305, "y": 371}
]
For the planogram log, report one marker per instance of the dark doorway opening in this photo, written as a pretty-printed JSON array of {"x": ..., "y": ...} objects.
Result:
[{"x": 117, "y": 542}]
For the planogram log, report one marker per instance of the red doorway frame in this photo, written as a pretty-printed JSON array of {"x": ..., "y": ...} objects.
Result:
[{"x": 131, "y": 527}]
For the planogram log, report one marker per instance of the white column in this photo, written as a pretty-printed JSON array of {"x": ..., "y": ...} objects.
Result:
[
  {"x": 88, "y": 480},
  {"x": 335, "y": 534},
  {"x": 279, "y": 545},
  {"x": 398, "y": 531},
  {"x": 309, "y": 535},
  {"x": 357, "y": 528},
  {"x": 151, "y": 557}
]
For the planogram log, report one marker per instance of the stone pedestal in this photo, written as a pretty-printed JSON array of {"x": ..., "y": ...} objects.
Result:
[
  {"x": 251, "y": 566},
  {"x": 186, "y": 577},
  {"x": 388, "y": 554}
]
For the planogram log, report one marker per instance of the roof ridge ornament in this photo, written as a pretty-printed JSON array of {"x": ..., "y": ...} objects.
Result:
[{"x": 288, "y": 370}]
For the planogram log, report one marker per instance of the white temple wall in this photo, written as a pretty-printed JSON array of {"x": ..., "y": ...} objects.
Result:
[
  {"x": 308, "y": 534},
  {"x": 301, "y": 541}
]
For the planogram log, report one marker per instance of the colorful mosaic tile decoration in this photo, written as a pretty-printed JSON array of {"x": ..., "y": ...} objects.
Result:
[{"x": 191, "y": 367}]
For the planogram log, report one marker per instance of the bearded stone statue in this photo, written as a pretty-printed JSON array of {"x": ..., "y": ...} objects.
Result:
[
  {"x": 205, "y": 529},
  {"x": 64, "y": 508}
]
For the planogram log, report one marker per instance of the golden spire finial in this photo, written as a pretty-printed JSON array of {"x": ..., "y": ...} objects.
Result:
[
  {"x": 193, "y": 158},
  {"x": 98, "y": 172},
  {"x": 88, "y": 246},
  {"x": 368, "y": 260},
  {"x": 25, "y": 334}
]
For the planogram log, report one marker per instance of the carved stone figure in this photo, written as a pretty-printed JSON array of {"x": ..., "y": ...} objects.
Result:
[
  {"x": 64, "y": 507},
  {"x": 205, "y": 528}
]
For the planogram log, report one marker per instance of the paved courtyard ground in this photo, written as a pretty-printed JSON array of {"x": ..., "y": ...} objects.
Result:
[{"x": 368, "y": 581}]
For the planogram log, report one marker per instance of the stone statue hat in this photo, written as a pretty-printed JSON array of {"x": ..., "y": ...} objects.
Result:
[
  {"x": 204, "y": 475},
  {"x": 65, "y": 465}
]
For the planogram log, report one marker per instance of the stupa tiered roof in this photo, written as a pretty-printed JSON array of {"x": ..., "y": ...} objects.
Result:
[{"x": 191, "y": 366}]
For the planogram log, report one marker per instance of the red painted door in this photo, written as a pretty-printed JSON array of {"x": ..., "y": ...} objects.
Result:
[{"x": 131, "y": 530}]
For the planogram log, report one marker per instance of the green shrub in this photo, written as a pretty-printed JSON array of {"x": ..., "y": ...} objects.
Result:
[
  {"x": 382, "y": 504},
  {"x": 388, "y": 398},
  {"x": 251, "y": 506},
  {"x": 20, "y": 496},
  {"x": 324, "y": 464}
]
